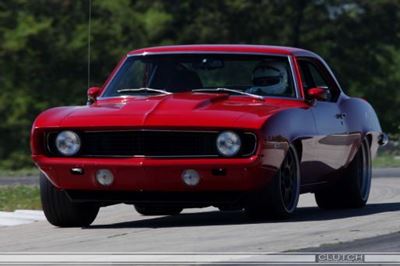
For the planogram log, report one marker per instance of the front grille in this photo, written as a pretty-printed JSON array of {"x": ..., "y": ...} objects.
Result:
[{"x": 152, "y": 143}]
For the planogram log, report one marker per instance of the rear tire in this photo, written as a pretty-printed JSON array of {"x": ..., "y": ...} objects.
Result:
[
  {"x": 279, "y": 199},
  {"x": 352, "y": 190},
  {"x": 60, "y": 211},
  {"x": 150, "y": 210}
]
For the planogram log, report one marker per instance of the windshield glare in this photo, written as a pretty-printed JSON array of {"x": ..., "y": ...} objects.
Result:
[{"x": 255, "y": 74}]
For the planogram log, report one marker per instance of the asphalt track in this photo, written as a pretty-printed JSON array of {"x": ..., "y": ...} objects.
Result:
[{"x": 120, "y": 229}]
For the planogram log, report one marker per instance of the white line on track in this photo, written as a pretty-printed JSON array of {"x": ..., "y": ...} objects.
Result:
[{"x": 20, "y": 217}]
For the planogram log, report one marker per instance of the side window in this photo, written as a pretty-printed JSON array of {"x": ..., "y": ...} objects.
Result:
[
  {"x": 306, "y": 77},
  {"x": 312, "y": 76},
  {"x": 319, "y": 81}
]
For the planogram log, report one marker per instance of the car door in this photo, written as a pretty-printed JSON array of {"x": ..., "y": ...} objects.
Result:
[{"x": 331, "y": 144}]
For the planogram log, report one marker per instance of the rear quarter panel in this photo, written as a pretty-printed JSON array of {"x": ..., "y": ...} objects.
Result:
[{"x": 361, "y": 118}]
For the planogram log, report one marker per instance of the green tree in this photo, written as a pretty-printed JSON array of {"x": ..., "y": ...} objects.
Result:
[{"x": 43, "y": 47}]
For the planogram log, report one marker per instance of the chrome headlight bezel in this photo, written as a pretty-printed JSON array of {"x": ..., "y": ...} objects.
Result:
[
  {"x": 68, "y": 143},
  {"x": 228, "y": 143}
]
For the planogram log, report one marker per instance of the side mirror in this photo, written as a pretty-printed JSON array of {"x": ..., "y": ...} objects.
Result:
[
  {"x": 92, "y": 94},
  {"x": 318, "y": 93}
]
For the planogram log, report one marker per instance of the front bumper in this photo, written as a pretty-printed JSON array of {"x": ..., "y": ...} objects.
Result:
[{"x": 157, "y": 175}]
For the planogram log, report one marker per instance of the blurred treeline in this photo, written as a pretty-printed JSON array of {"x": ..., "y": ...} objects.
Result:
[{"x": 43, "y": 47}]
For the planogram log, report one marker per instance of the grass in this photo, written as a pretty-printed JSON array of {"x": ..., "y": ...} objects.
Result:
[
  {"x": 19, "y": 197},
  {"x": 19, "y": 173},
  {"x": 385, "y": 160}
]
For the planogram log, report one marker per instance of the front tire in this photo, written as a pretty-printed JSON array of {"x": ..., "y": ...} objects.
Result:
[
  {"x": 60, "y": 211},
  {"x": 352, "y": 190},
  {"x": 280, "y": 198}
]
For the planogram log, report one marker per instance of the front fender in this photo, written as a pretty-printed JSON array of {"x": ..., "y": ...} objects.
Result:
[
  {"x": 291, "y": 126},
  {"x": 50, "y": 118}
]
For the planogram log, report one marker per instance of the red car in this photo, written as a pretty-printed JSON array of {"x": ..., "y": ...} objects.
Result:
[{"x": 238, "y": 127}]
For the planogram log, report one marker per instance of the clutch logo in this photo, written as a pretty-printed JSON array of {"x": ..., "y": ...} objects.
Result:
[{"x": 340, "y": 258}]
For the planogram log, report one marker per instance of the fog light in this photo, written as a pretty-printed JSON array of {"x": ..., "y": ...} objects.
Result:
[
  {"x": 190, "y": 177},
  {"x": 104, "y": 177}
]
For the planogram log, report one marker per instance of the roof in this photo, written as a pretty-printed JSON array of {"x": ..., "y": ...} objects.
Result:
[{"x": 218, "y": 48}]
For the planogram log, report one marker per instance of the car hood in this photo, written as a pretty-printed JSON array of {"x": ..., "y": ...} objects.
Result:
[{"x": 176, "y": 110}]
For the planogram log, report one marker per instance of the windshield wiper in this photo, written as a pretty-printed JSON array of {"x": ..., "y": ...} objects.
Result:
[
  {"x": 143, "y": 89},
  {"x": 229, "y": 90}
]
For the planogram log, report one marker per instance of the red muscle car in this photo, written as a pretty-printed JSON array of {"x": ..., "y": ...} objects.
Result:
[{"x": 238, "y": 127}]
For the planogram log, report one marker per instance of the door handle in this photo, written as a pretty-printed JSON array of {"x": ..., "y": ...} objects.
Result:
[{"x": 341, "y": 116}]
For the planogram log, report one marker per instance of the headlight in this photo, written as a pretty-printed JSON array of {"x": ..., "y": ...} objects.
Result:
[
  {"x": 68, "y": 143},
  {"x": 228, "y": 143}
]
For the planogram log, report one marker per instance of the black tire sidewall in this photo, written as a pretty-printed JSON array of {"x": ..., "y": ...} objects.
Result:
[
  {"x": 346, "y": 193},
  {"x": 269, "y": 202},
  {"x": 279, "y": 204},
  {"x": 60, "y": 211}
]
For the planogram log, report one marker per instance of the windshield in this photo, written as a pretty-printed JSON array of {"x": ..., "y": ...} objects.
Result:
[{"x": 200, "y": 73}]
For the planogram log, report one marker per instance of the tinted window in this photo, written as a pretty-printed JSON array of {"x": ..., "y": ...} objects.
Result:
[
  {"x": 315, "y": 75},
  {"x": 318, "y": 79}
]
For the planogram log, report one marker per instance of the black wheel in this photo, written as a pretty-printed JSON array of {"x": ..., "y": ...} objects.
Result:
[
  {"x": 151, "y": 210},
  {"x": 280, "y": 198},
  {"x": 60, "y": 211},
  {"x": 352, "y": 190}
]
